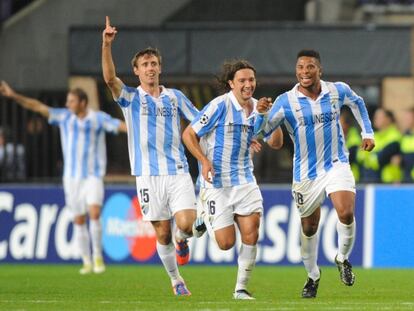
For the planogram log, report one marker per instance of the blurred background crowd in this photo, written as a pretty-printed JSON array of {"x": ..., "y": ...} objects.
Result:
[{"x": 366, "y": 43}]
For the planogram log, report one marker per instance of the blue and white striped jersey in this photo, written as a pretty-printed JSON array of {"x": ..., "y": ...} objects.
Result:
[
  {"x": 83, "y": 141},
  {"x": 154, "y": 130},
  {"x": 226, "y": 134},
  {"x": 314, "y": 126}
]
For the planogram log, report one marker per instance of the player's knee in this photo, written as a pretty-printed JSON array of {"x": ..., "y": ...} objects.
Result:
[
  {"x": 186, "y": 227},
  {"x": 80, "y": 220},
  {"x": 95, "y": 215},
  {"x": 185, "y": 220},
  {"x": 310, "y": 229},
  {"x": 225, "y": 243},
  {"x": 346, "y": 216},
  {"x": 164, "y": 237},
  {"x": 250, "y": 238}
]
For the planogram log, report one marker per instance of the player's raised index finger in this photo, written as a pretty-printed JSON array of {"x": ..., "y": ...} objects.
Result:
[{"x": 108, "y": 22}]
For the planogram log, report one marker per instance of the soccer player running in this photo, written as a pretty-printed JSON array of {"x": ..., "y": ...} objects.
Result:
[
  {"x": 164, "y": 185},
  {"x": 220, "y": 138},
  {"x": 82, "y": 135},
  {"x": 310, "y": 112}
]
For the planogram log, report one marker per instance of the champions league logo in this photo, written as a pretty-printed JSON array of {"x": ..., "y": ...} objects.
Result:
[{"x": 204, "y": 119}]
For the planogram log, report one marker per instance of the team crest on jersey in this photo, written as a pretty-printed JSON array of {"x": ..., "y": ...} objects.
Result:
[
  {"x": 204, "y": 119},
  {"x": 144, "y": 108},
  {"x": 174, "y": 102},
  {"x": 334, "y": 100}
]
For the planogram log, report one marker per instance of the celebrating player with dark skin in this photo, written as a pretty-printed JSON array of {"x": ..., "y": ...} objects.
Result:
[{"x": 310, "y": 112}]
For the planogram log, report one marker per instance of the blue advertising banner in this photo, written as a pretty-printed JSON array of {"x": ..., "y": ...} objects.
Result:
[
  {"x": 35, "y": 227},
  {"x": 393, "y": 236}
]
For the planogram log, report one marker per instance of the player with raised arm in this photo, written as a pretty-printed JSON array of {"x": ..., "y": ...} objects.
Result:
[
  {"x": 82, "y": 134},
  {"x": 164, "y": 185},
  {"x": 220, "y": 138},
  {"x": 321, "y": 168}
]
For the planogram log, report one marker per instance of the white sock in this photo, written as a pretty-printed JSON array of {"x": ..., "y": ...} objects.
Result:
[
  {"x": 346, "y": 239},
  {"x": 82, "y": 240},
  {"x": 308, "y": 247},
  {"x": 167, "y": 256},
  {"x": 246, "y": 261},
  {"x": 95, "y": 229},
  {"x": 181, "y": 235}
]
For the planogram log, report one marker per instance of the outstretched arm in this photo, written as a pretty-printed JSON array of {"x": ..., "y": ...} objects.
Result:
[
  {"x": 26, "y": 102},
  {"x": 108, "y": 67}
]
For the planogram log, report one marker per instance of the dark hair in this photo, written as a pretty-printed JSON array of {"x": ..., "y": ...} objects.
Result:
[
  {"x": 81, "y": 94},
  {"x": 229, "y": 69},
  {"x": 309, "y": 53},
  {"x": 148, "y": 51},
  {"x": 410, "y": 110},
  {"x": 389, "y": 114}
]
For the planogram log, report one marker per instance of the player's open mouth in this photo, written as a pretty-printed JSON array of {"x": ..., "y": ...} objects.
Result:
[{"x": 306, "y": 80}]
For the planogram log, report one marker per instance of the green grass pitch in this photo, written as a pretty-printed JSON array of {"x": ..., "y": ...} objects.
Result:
[{"x": 135, "y": 287}]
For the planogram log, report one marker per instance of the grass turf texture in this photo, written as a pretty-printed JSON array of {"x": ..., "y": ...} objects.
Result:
[{"x": 134, "y": 287}]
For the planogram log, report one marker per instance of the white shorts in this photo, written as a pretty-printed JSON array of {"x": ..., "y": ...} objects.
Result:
[
  {"x": 81, "y": 193},
  {"x": 161, "y": 197},
  {"x": 221, "y": 204},
  {"x": 310, "y": 194}
]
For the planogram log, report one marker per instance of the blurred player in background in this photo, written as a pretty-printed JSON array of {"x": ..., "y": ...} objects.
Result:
[
  {"x": 310, "y": 112},
  {"x": 82, "y": 135},
  {"x": 407, "y": 146},
  {"x": 164, "y": 185},
  {"x": 12, "y": 158},
  {"x": 220, "y": 138},
  {"x": 382, "y": 165}
]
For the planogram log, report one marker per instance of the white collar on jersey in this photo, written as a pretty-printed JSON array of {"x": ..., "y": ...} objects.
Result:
[
  {"x": 143, "y": 94},
  {"x": 236, "y": 104},
  {"x": 324, "y": 90},
  {"x": 89, "y": 111}
]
